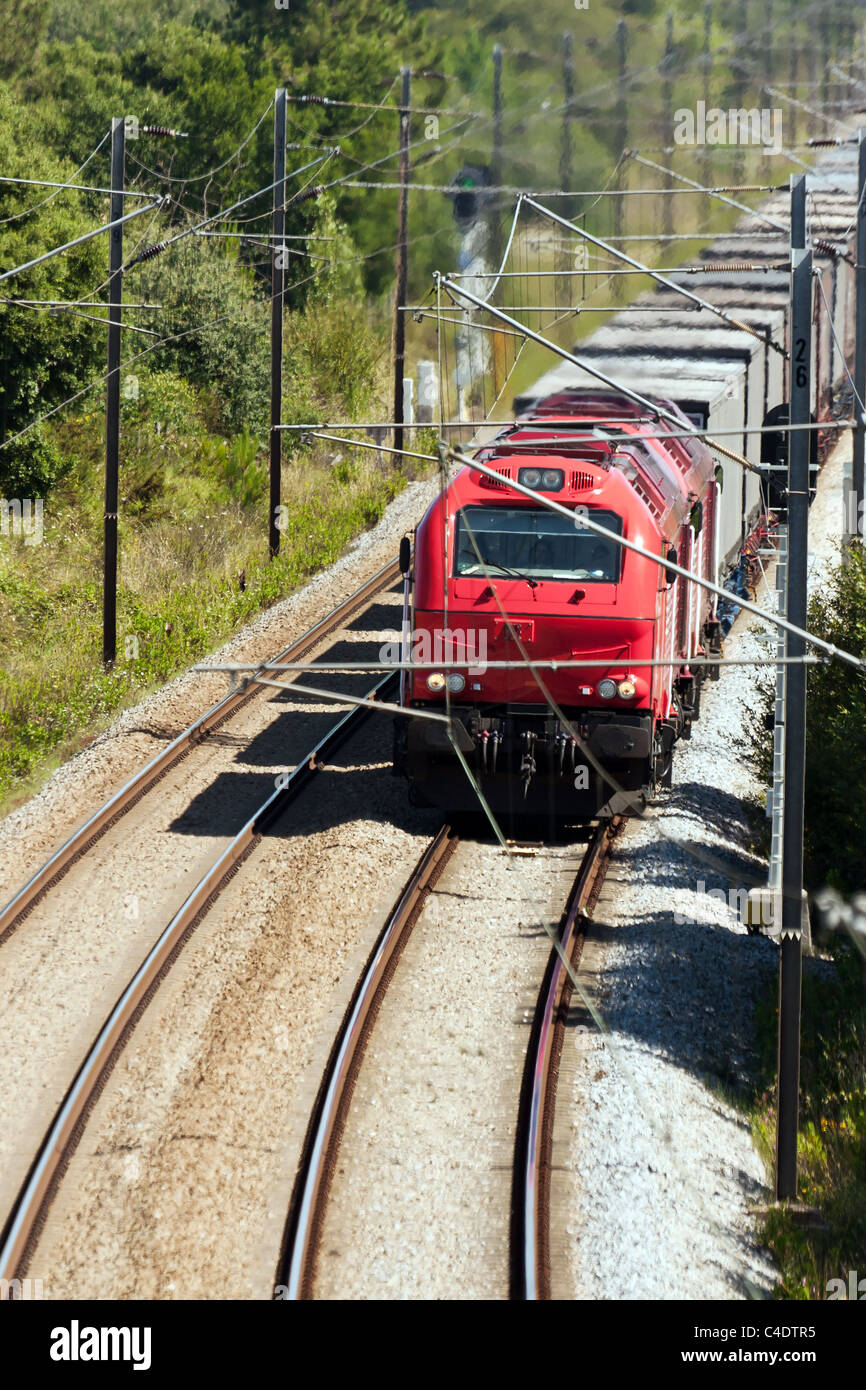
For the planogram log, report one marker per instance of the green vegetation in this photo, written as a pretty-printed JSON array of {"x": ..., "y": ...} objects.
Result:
[{"x": 832, "y": 1141}]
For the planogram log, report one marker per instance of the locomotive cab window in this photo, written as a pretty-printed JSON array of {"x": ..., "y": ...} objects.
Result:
[{"x": 535, "y": 543}]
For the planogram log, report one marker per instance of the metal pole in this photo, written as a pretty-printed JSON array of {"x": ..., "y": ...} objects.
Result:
[
  {"x": 739, "y": 68},
  {"x": 791, "y": 114},
  {"x": 564, "y": 291},
  {"x": 668, "y": 107},
  {"x": 707, "y": 66},
  {"x": 824, "y": 28},
  {"x": 402, "y": 270},
  {"x": 497, "y": 164},
  {"x": 112, "y": 395},
  {"x": 621, "y": 139},
  {"x": 769, "y": 66},
  {"x": 278, "y": 287},
  {"x": 854, "y": 518},
  {"x": 790, "y": 963},
  {"x": 566, "y": 167}
]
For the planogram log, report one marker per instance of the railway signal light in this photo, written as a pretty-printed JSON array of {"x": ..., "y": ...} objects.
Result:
[{"x": 470, "y": 193}]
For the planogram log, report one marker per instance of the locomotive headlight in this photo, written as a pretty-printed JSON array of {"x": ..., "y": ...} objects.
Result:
[
  {"x": 456, "y": 684},
  {"x": 436, "y": 681},
  {"x": 606, "y": 688},
  {"x": 552, "y": 479},
  {"x": 626, "y": 689}
]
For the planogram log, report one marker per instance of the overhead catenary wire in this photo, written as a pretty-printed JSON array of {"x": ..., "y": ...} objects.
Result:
[
  {"x": 25, "y": 212},
  {"x": 75, "y": 311},
  {"x": 720, "y": 193},
  {"x": 586, "y": 366},
  {"x": 661, "y": 561},
  {"x": 78, "y": 241},
  {"x": 306, "y": 100},
  {"x": 817, "y": 277},
  {"x": 385, "y": 249},
  {"x": 516, "y": 189},
  {"x": 154, "y": 347},
  {"x": 76, "y": 304},
  {"x": 587, "y": 429},
  {"x": 670, "y": 284},
  {"x": 821, "y": 115},
  {"x": 75, "y": 187},
  {"x": 224, "y": 212},
  {"x": 209, "y": 173},
  {"x": 543, "y": 664}
]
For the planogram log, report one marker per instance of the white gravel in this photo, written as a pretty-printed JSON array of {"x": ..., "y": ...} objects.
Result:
[{"x": 659, "y": 1169}]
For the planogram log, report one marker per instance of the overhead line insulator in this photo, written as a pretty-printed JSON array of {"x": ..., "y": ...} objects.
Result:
[
  {"x": 306, "y": 195},
  {"x": 829, "y": 249},
  {"x": 148, "y": 253}
]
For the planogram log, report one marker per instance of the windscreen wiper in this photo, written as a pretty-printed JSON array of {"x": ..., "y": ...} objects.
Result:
[{"x": 494, "y": 564}]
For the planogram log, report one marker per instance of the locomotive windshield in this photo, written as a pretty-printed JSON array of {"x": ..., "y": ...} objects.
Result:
[{"x": 535, "y": 543}]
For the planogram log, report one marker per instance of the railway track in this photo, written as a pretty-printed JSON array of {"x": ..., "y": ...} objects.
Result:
[
  {"x": 530, "y": 1241},
  {"x": 138, "y": 786},
  {"x": 298, "y": 1260},
  {"x": 297, "y": 1269},
  {"x": 28, "y": 1213}
]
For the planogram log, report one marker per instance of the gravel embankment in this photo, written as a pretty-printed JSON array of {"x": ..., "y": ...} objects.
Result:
[{"x": 68, "y": 962}]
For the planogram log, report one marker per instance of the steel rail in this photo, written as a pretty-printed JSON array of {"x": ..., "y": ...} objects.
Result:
[
  {"x": 297, "y": 1266},
  {"x": 26, "y": 1218},
  {"x": 131, "y": 792},
  {"x": 530, "y": 1230}
]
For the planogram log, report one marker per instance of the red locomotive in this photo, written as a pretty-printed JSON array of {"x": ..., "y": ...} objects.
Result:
[{"x": 498, "y": 577}]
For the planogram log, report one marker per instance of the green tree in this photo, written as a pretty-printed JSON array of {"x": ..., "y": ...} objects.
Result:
[
  {"x": 218, "y": 322},
  {"x": 24, "y": 24},
  {"x": 45, "y": 355}
]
